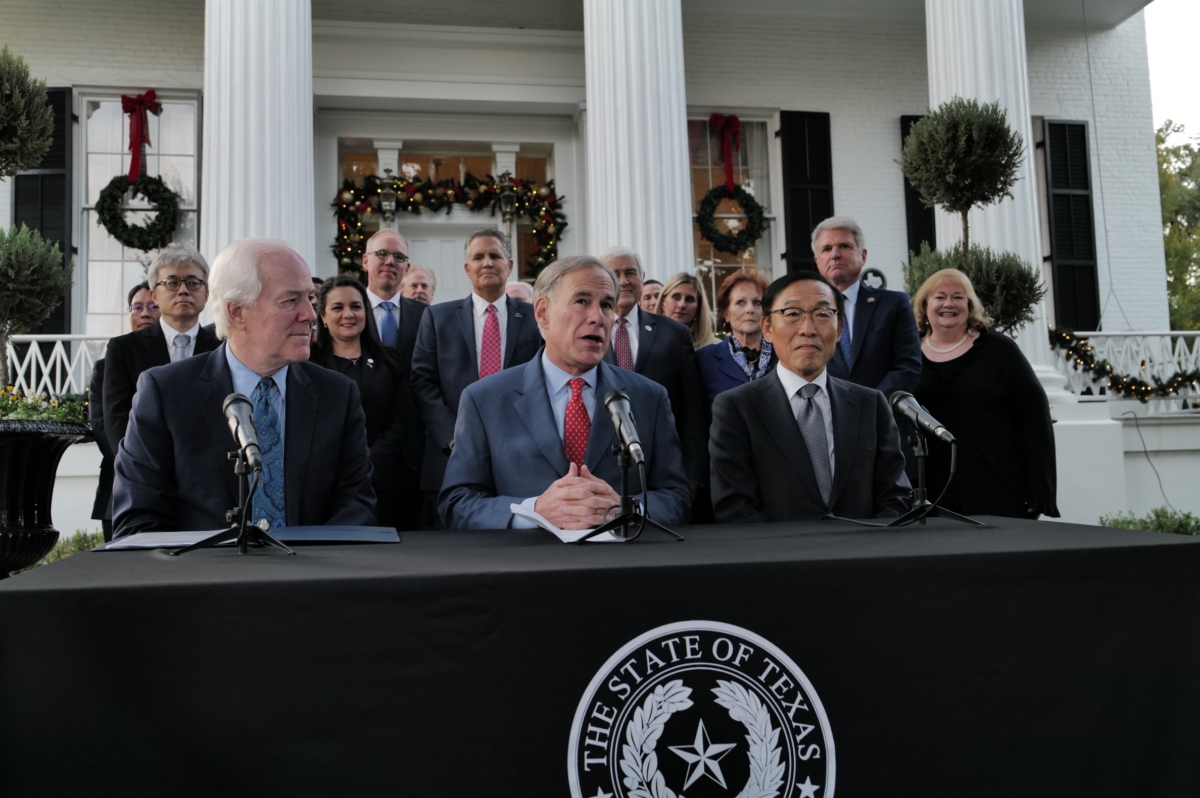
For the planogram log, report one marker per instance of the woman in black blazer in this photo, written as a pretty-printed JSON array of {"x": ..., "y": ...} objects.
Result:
[
  {"x": 743, "y": 355},
  {"x": 347, "y": 342}
]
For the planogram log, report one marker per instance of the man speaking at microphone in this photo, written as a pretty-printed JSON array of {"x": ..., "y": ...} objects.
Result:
[
  {"x": 539, "y": 434},
  {"x": 801, "y": 444},
  {"x": 172, "y": 470}
]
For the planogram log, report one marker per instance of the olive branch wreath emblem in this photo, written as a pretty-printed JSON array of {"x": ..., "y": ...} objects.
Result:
[{"x": 639, "y": 762}]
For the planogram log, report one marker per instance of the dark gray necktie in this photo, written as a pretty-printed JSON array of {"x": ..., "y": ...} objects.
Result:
[{"x": 812, "y": 428}]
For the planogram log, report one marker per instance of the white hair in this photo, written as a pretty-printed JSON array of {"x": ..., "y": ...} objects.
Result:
[
  {"x": 235, "y": 278},
  {"x": 548, "y": 280},
  {"x": 839, "y": 223},
  {"x": 613, "y": 253},
  {"x": 413, "y": 269}
]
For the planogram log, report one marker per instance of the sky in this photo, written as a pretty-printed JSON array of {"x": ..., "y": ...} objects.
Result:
[{"x": 1172, "y": 30}]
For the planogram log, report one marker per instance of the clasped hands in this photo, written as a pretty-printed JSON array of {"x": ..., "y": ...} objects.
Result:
[{"x": 577, "y": 500}]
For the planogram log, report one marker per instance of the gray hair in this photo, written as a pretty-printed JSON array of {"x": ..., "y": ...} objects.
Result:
[
  {"x": 612, "y": 253},
  {"x": 488, "y": 232},
  {"x": 175, "y": 255},
  {"x": 235, "y": 276},
  {"x": 370, "y": 241},
  {"x": 548, "y": 280},
  {"x": 523, "y": 288},
  {"x": 414, "y": 268},
  {"x": 839, "y": 223}
]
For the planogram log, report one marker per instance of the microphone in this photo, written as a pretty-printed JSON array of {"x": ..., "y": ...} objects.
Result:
[
  {"x": 909, "y": 407},
  {"x": 239, "y": 412},
  {"x": 617, "y": 402}
]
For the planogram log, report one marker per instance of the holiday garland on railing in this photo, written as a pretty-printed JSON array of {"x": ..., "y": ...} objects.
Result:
[
  {"x": 1083, "y": 358},
  {"x": 539, "y": 204}
]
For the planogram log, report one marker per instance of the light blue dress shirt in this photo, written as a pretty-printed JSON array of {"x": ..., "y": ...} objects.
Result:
[{"x": 245, "y": 381}]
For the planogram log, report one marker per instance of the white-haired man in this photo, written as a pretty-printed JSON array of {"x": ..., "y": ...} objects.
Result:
[
  {"x": 539, "y": 435},
  {"x": 171, "y": 470},
  {"x": 419, "y": 285}
]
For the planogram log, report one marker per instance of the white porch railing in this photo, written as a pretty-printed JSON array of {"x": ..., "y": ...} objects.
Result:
[
  {"x": 66, "y": 370},
  {"x": 1144, "y": 355}
]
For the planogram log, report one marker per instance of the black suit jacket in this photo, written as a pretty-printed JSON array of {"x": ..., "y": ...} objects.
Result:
[
  {"x": 411, "y": 312},
  {"x": 667, "y": 355},
  {"x": 761, "y": 469},
  {"x": 100, "y": 508},
  {"x": 172, "y": 472},
  {"x": 127, "y": 357},
  {"x": 885, "y": 349},
  {"x": 446, "y": 361}
]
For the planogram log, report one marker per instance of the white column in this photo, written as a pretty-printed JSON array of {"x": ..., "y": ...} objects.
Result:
[
  {"x": 976, "y": 50},
  {"x": 637, "y": 132},
  {"x": 387, "y": 156},
  {"x": 258, "y": 124},
  {"x": 505, "y": 156}
]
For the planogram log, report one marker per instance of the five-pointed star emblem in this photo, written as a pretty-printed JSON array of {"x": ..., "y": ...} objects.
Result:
[
  {"x": 807, "y": 789},
  {"x": 600, "y": 793},
  {"x": 702, "y": 758}
]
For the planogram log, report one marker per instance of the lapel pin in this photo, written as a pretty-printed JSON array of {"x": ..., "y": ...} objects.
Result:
[
  {"x": 519, "y": 315},
  {"x": 870, "y": 299},
  {"x": 649, "y": 328},
  {"x": 370, "y": 363}
]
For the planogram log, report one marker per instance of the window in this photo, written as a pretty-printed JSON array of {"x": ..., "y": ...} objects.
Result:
[
  {"x": 110, "y": 269},
  {"x": 1072, "y": 232}
]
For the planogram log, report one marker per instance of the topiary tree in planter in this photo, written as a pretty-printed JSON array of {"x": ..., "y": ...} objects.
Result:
[
  {"x": 33, "y": 280},
  {"x": 961, "y": 156},
  {"x": 26, "y": 121}
]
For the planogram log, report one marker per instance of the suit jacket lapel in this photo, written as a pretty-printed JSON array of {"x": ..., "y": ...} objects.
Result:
[
  {"x": 302, "y": 406},
  {"x": 516, "y": 322},
  {"x": 727, "y": 365},
  {"x": 466, "y": 323},
  {"x": 864, "y": 310},
  {"x": 775, "y": 410},
  {"x": 645, "y": 340},
  {"x": 603, "y": 434},
  {"x": 216, "y": 383},
  {"x": 205, "y": 342},
  {"x": 156, "y": 345},
  {"x": 847, "y": 412},
  {"x": 532, "y": 406}
]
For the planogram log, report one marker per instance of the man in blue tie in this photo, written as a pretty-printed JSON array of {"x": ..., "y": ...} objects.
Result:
[{"x": 171, "y": 470}]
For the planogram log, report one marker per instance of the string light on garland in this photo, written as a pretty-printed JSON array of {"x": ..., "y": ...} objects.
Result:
[
  {"x": 540, "y": 205},
  {"x": 1082, "y": 356}
]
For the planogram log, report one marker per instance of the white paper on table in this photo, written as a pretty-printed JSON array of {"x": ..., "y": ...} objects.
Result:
[
  {"x": 565, "y": 535},
  {"x": 162, "y": 540}
]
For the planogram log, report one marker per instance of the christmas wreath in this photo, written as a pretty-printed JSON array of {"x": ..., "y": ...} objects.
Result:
[
  {"x": 746, "y": 237},
  {"x": 151, "y": 236}
]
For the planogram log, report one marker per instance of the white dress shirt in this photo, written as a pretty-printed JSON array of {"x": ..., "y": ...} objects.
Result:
[
  {"x": 633, "y": 328},
  {"x": 851, "y": 295},
  {"x": 379, "y": 312},
  {"x": 480, "y": 306},
  {"x": 792, "y": 383},
  {"x": 170, "y": 332}
]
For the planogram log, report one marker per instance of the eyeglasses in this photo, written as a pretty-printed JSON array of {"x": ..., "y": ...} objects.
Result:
[
  {"x": 820, "y": 316},
  {"x": 139, "y": 307},
  {"x": 173, "y": 283},
  {"x": 383, "y": 254}
]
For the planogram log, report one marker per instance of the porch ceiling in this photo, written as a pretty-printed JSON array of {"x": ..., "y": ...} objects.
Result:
[{"x": 567, "y": 15}]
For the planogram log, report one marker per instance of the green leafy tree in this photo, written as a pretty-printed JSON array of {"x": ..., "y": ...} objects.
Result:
[
  {"x": 1179, "y": 188},
  {"x": 26, "y": 120},
  {"x": 962, "y": 155},
  {"x": 33, "y": 282}
]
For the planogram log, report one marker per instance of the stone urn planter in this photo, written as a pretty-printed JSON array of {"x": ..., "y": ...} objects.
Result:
[{"x": 29, "y": 455}]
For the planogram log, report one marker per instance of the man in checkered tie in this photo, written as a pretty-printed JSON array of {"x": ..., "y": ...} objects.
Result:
[
  {"x": 803, "y": 444},
  {"x": 539, "y": 434}
]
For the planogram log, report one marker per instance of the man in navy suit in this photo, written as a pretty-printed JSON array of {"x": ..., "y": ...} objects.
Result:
[
  {"x": 880, "y": 347},
  {"x": 463, "y": 341},
  {"x": 540, "y": 435},
  {"x": 172, "y": 472}
]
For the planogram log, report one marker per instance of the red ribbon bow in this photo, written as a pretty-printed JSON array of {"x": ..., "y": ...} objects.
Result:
[
  {"x": 729, "y": 129},
  {"x": 139, "y": 130}
]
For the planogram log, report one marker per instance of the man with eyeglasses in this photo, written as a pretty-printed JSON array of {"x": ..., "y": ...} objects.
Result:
[
  {"x": 178, "y": 281},
  {"x": 803, "y": 444}
]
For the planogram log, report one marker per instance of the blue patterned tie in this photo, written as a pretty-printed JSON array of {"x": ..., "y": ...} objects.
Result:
[
  {"x": 268, "y": 500},
  {"x": 388, "y": 331}
]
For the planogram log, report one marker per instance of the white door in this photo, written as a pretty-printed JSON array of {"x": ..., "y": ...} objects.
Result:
[{"x": 439, "y": 248}]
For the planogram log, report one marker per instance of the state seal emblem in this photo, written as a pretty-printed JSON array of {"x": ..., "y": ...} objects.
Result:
[{"x": 696, "y": 709}]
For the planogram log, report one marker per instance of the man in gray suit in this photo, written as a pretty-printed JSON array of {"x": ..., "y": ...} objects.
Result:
[
  {"x": 801, "y": 444},
  {"x": 171, "y": 469},
  {"x": 540, "y": 435}
]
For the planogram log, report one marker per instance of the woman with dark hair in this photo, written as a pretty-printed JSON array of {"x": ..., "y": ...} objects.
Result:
[
  {"x": 743, "y": 356},
  {"x": 348, "y": 342}
]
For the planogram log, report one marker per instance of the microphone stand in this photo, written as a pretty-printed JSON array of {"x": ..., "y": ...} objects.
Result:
[
  {"x": 245, "y": 534},
  {"x": 922, "y": 508},
  {"x": 628, "y": 513}
]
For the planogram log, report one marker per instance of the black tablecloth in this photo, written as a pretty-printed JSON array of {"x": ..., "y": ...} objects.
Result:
[{"x": 1022, "y": 659}]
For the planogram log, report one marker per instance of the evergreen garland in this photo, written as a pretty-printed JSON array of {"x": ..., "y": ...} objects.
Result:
[
  {"x": 1083, "y": 358},
  {"x": 155, "y": 234},
  {"x": 745, "y": 238},
  {"x": 539, "y": 204}
]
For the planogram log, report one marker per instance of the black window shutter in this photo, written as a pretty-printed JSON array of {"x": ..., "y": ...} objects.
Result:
[
  {"x": 919, "y": 218},
  {"x": 807, "y": 181},
  {"x": 1072, "y": 229},
  {"x": 42, "y": 199}
]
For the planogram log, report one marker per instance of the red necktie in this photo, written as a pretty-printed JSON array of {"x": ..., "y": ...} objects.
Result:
[
  {"x": 489, "y": 357},
  {"x": 576, "y": 424},
  {"x": 624, "y": 351}
]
